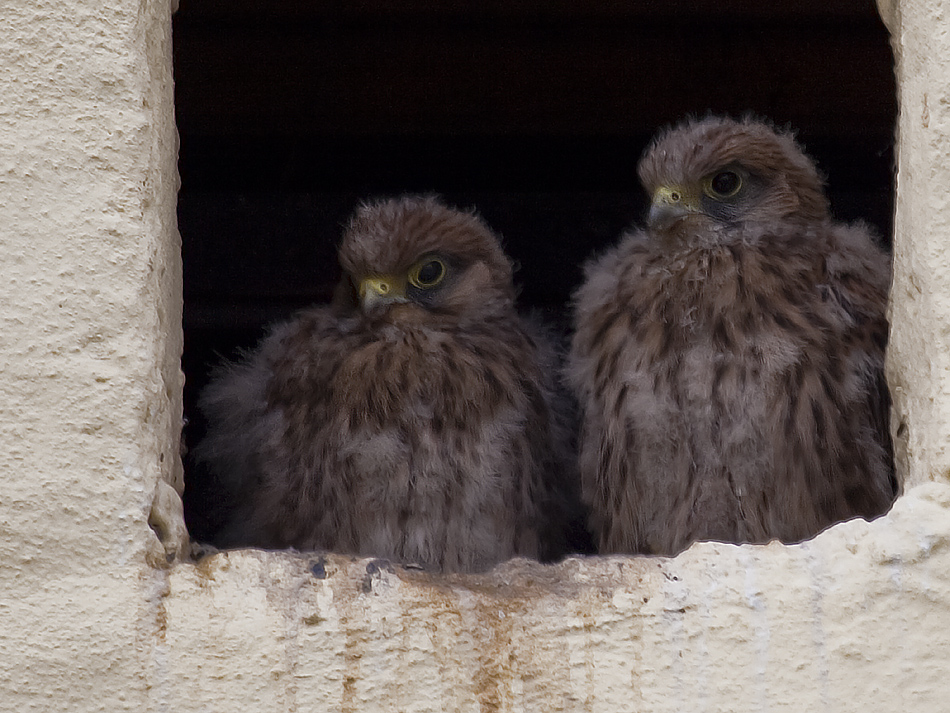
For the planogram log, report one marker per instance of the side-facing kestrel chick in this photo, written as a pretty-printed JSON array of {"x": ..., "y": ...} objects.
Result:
[
  {"x": 728, "y": 358},
  {"x": 413, "y": 418}
]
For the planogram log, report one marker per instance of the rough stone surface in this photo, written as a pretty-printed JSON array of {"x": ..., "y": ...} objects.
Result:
[
  {"x": 835, "y": 624},
  {"x": 919, "y": 352},
  {"x": 94, "y": 617},
  {"x": 90, "y": 323}
]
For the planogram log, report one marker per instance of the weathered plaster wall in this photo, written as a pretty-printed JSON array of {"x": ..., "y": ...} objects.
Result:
[
  {"x": 89, "y": 344},
  {"x": 852, "y": 621},
  {"x": 919, "y": 354},
  {"x": 93, "y": 618}
]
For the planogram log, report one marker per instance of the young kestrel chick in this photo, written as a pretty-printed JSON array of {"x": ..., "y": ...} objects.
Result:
[
  {"x": 413, "y": 419},
  {"x": 728, "y": 358}
]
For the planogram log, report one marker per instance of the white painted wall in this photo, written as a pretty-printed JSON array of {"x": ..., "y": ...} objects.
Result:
[
  {"x": 919, "y": 354},
  {"x": 90, "y": 313},
  {"x": 93, "y": 618}
]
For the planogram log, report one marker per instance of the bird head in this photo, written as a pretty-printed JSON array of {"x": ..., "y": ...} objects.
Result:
[
  {"x": 724, "y": 173},
  {"x": 413, "y": 256}
]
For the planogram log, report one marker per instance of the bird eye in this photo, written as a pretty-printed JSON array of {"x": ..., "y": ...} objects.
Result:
[
  {"x": 725, "y": 184},
  {"x": 427, "y": 274}
]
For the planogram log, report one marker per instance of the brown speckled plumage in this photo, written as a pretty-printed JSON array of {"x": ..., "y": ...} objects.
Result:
[
  {"x": 423, "y": 430},
  {"x": 728, "y": 358}
]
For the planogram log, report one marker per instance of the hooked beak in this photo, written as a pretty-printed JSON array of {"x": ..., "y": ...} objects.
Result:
[
  {"x": 381, "y": 290},
  {"x": 670, "y": 204}
]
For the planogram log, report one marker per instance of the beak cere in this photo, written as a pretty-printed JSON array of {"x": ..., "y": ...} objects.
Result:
[
  {"x": 381, "y": 290},
  {"x": 670, "y": 203}
]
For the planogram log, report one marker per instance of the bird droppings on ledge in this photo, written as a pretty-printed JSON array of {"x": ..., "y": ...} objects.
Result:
[
  {"x": 591, "y": 633},
  {"x": 318, "y": 569},
  {"x": 375, "y": 571}
]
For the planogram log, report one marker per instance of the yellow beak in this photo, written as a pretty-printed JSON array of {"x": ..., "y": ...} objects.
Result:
[
  {"x": 382, "y": 290},
  {"x": 670, "y": 203}
]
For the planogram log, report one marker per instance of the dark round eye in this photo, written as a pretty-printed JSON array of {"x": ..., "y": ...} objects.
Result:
[
  {"x": 428, "y": 274},
  {"x": 725, "y": 184}
]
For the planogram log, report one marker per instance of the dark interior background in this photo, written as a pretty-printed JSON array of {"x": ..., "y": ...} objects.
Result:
[{"x": 533, "y": 111}]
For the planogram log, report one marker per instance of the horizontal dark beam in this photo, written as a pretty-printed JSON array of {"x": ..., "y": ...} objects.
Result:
[
  {"x": 388, "y": 10},
  {"x": 517, "y": 80}
]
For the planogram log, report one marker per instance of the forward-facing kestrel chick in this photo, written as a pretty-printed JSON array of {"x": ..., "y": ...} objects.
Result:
[
  {"x": 413, "y": 419},
  {"x": 728, "y": 358}
]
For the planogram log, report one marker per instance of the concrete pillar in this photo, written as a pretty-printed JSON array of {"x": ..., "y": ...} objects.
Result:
[
  {"x": 90, "y": 338},
  {"x": 919, "y": 354}
]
